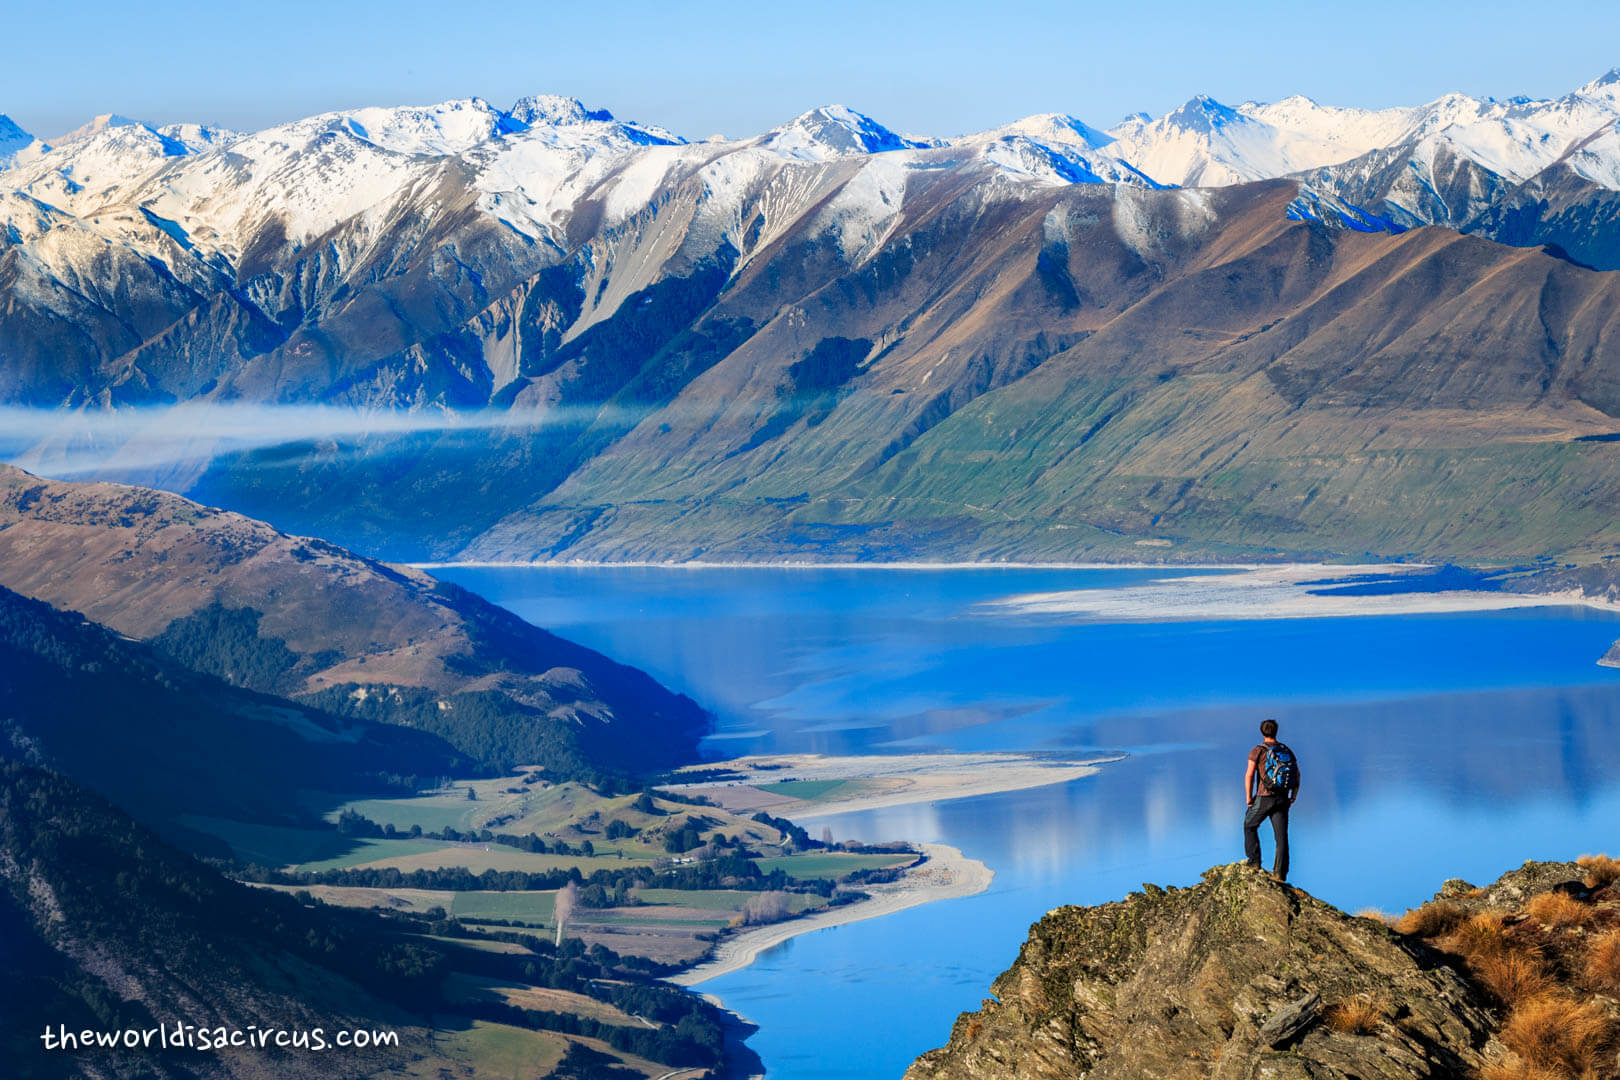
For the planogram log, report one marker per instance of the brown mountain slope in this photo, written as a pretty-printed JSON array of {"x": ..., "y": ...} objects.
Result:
[
  {"x": 233, "y": 597},
  {"x": 969, "y": 367},
  {"x": 1217, "y": 376}
]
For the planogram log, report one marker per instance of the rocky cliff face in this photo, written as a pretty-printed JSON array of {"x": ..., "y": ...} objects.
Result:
[{"x": 1237, "y": 977}]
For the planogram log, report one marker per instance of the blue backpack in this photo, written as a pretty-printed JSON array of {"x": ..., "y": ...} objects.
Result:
[{"x": 1278, "y": 767}]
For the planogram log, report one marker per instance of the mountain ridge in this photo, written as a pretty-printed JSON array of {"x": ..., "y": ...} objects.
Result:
[
  {"x": 293, "y": 616},
  {"x": 740, "y": 350}
]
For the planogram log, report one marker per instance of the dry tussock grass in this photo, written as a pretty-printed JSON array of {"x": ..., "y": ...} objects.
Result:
[
  {"x": 1433, "y": 919},
  {"x": 1601, "y": 871},
  {"x": 1556, "y": 1032},
  {"x": 1477, "y": 935},
  {"x": 1557, "y": 909},
  {"x": 1512, "y": 975},
  {"x": 1358, "y": 1015},
  {"x": 1516, "y": 1068},
  {"x": 1376, "y": 915},
  {"x": 1603, "y": 960}
]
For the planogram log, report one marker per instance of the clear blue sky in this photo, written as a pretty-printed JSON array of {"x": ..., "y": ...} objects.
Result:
[{"x": 738, "y": 68}]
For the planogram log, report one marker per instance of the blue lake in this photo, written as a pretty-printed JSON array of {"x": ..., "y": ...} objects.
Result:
[{"x": 1431, "y": 746}]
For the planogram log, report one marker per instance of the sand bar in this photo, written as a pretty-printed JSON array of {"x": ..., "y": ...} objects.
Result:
[
  {"x": 945, "y": 874},
  {"x": 1293, "y": 591},
  {"x": 874, "y": 781}
]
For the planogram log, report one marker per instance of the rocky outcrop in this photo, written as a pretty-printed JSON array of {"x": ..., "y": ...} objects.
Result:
[{"x": 1237, "y": 978}]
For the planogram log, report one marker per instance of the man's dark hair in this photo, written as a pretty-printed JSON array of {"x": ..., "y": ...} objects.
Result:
[{"x": 1268, "y": 729}]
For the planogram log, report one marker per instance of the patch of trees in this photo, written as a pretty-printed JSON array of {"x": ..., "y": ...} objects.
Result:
[
  {"x": 583, "y": 1063},
  {"x": 693, "y": 1041},
  {"x": 767, "y": 907},
  {"x": 796, "y": 836},
  {"x": 728, "y": 871}
]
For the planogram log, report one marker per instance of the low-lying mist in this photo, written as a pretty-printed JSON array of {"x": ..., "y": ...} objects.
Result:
[{"x": 170, "y": 446}]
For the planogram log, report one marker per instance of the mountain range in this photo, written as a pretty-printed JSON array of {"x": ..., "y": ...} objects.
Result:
[{"x": 1223, "y": 330}]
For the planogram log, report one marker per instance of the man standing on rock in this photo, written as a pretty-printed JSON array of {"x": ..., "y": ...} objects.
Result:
[{"x": 1270, "y": 786}]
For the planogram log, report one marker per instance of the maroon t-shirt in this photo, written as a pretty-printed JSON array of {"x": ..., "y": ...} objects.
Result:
[{"x": 1257, "y": 755}]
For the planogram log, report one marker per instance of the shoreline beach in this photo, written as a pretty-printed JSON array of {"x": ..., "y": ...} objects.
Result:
[
  {"x": 1132, "y": 603},
  {"x": 944, "y": 874},
  {"x": 1291, "y": 591},
  {"x": 878, "y": 781}
]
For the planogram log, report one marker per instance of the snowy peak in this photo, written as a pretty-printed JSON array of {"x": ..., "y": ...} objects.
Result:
[
  {"x": 1605, "y": 87},
  {"x": 1056, "y": 128},
  {"x": 554, "y": 110},
  {"x": 450, "y": 127},
  {"x": 93, "y": 127},
  {"x": 836, "y": 131},
  {"x": 16, "y": 144},
  {"x": 561, "y": 115},
  {"x": 1204, "y": 115}
]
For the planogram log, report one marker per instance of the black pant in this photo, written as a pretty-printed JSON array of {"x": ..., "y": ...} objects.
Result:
[{"x": 1274, "y": 807}]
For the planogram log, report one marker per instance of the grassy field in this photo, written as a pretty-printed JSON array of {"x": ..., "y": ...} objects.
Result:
[
  {"x": 505, "y": 948},
  {"x": 523, "y": 906},
  {"x": 367, "y": 851},
  {"x": 308, "y": 849},
  {"x": 731, "y": 900},
  {"x": 494, "y": 1050},
  {"x": 413, "y": 900},
  {"x": 432, "y": 812},
  {"x": 567, "y": 812},
  {"x": 480, "y": 857},
  {"x": 830, "y": 864},
  {"x": 804, "y": 789},
  {"x": 459, "y": 987}
]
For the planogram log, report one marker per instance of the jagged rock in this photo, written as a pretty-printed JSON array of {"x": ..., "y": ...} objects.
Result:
[
  {"x": 1232, "y": 979},
  {"x": 1452, "y": 888},
  {"x": 1290, "y": 1020},
  {"x": 1513, "y": 888}
]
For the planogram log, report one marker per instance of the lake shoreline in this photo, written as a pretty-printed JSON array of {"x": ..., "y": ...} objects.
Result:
[
  {"x": 944, "y": 874},
  {"x": 880, "y": 781},
  {"x": 702, "y": 564},
  {"x": 1284, "y": 574}
]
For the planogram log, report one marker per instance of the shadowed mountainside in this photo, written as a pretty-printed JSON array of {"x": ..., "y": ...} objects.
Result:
[
  {"x": 234, "y": 598},
  {"x": 163, "y": 741}
]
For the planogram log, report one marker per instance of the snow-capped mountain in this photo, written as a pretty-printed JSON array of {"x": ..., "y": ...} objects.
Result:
[
  {"x": 833, "y": 332},
  {"x": 338, "y": 254},
  {"x": 16, "y": 145}
]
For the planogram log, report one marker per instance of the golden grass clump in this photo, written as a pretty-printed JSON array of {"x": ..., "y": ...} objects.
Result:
[
  {"x": 1376, "y": 915},
  {"x": 1554, "y": 1031},
  {"x": 1601, "y": 871},
  {"x": 1478, "y": 935},
  {"x": 1433, "y": 919},
  {"x": 1557, "y": 909},
  {"x": 1358, "y": 1015},
  {"x": 1511, "y": 975},
  {"x": 1603, "y": 960},
  {"x": 1516, "y": 1068}
]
